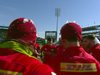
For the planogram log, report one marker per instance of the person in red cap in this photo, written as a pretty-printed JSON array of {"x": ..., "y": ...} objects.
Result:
[
  {"x": 48, "y": 50},
  {"x": 92, "y": 45},
  {"x": 16, "y": 51},
  {"x": 74, "y": 60}
]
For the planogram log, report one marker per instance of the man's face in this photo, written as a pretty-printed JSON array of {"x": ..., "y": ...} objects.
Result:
[
  {"x": 49, "y": 42},
  {"x": 87, "y": 43}
]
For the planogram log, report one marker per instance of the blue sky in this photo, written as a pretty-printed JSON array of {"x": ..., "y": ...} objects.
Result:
[{"x": 42, "y": 12}]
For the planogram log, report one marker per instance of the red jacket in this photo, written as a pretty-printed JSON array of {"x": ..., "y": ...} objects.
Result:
[
  {"x": 21, "y": 64},
  {"x": 59, "y": 49},
  {"x": 12, "y": 62},
  {"x": 49, "y": 52},
  {"x": 74, "y": 61},
  {"x": 95, "y": 51}
]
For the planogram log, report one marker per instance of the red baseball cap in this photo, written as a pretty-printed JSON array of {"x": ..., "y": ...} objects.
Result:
[
  {"x": 22, "y": 29},
  {"x": 71, "y": 30}
]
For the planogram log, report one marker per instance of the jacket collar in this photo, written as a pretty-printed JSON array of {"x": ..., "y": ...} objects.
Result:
[{"x": 16, "y": 46}]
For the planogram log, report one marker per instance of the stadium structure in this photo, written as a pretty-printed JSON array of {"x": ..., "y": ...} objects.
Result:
[
  {"x": 92, "y": 30},
  {"x": 3, "y": 32}
]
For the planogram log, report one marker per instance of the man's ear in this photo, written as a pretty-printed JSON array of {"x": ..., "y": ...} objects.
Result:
[
  {"x": 80, "y": 41},
  {"x": 64, "y": 40}
]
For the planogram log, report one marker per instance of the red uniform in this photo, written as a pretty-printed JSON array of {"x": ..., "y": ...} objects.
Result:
[
  {"x": 74, "y": 61},
  {"x": 95, "y": 51},
  {"x": 37, "y": 48},
  {"x": 12, "y": 62},
  {"x": 16, "y": 55},
  {"x": 59, "y": 49},
  {"x": 49, "y": 52}
]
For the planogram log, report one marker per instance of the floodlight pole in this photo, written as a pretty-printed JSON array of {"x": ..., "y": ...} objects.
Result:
[
  {"x": 57, "y": 25},
  {"x": 57, "y": 13}
]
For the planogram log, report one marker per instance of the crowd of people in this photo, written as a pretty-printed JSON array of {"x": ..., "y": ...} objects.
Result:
[{"x": 75, "y": 55}]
